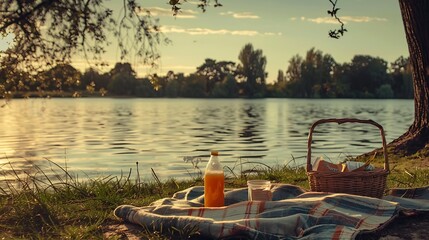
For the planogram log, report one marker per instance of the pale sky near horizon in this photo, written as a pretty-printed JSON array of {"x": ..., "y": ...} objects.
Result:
[{"x": 280, "y": 28}]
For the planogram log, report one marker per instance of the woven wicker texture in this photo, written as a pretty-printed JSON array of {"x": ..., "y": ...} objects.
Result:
[{"x": 364, "y": 183}]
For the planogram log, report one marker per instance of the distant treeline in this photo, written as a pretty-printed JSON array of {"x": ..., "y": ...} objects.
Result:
[{"x": 316, "y": 75}]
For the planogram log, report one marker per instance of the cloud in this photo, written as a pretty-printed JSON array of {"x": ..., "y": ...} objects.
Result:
[
  {"x": 207, "y": 31},
  {"x": 240, "y": 15},
  {"x": 157, "y": 11},
  {"x": 273, "y": 34},
  {"x": 328, "y": 20},
  {"x": 345, "y": 19},
  {"x": 363, "y": 19}
]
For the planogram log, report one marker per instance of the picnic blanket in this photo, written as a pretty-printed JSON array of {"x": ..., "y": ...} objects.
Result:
[{"x": 294, "y": 213}]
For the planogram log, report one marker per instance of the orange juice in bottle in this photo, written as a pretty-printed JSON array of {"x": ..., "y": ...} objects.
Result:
[{"x": 214, "y": 182}]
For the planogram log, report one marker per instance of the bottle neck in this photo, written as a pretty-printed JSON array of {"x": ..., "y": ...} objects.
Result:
[{"x": 214, "y": 164}]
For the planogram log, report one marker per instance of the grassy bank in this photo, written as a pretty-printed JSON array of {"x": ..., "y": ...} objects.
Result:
[{"x": 37, "y": 206}]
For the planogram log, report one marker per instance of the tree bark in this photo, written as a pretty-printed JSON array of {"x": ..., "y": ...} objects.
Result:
[{"x": 415, "y": 16}]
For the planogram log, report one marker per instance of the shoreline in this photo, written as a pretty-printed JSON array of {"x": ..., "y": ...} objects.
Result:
[{"x": 86, "y": 94}]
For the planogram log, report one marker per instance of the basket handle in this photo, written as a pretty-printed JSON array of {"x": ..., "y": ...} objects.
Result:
[{"x": 341, "y": 121}]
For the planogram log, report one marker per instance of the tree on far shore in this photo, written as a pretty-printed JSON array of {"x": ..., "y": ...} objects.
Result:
[{"x": 252, "y": 71}]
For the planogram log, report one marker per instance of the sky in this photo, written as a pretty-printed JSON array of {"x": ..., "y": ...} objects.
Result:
[{"x": 280, "y": 28}]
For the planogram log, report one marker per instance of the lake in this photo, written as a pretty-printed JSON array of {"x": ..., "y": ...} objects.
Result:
[{"x": 92, "y": 137}]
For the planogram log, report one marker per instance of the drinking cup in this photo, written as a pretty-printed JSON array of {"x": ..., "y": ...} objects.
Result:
[{"x": 259, "y": 190}]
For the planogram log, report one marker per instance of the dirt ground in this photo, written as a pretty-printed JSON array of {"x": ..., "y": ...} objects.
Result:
[
  {"x": 123, "y": 231},
  {"x": 403, "y": 227}
]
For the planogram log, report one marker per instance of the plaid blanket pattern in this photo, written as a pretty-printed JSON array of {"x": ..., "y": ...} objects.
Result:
[{"x": 293, "y": 213}]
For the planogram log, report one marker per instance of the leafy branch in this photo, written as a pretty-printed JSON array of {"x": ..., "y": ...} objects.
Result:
[
  {"x": 203, "y": 4},
  {"x": 336, "y": 33}
]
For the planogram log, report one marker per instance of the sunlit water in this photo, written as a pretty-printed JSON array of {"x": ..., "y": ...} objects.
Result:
[{"x": 106, "y": 137}]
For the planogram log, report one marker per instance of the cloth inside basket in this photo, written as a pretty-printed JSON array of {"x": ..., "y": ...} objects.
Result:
[{"x": 293, "y": 213}]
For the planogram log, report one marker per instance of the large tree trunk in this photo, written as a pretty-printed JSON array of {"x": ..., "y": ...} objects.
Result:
[{"x": 415, "y": 15}]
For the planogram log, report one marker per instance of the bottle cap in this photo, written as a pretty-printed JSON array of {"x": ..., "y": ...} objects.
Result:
[{"x": 214, "y": 153}]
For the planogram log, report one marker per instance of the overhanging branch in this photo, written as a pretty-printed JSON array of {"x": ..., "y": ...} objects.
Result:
[{"x": 336, "y": 33}]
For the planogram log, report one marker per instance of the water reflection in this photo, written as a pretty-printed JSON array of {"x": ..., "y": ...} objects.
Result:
[
  {"x": 252, "y": 121},
  {"x": 252, "y": 133},
  {"x": 106, "y": 136}
]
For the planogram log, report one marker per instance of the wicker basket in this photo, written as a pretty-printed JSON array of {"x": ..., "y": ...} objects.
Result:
[{"x": 365, "y": 183}]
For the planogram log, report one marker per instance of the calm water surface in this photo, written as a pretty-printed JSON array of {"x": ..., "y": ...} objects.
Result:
[{"x": 102, "y": 136}]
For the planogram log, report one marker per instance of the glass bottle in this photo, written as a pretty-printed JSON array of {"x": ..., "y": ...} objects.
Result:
[{"x": 214, "y": 182}]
